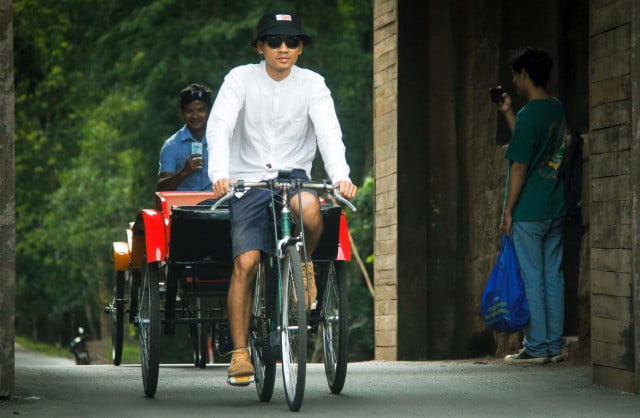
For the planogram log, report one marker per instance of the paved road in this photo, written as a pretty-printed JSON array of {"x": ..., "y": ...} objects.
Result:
[{"x": 47, "y": 387}]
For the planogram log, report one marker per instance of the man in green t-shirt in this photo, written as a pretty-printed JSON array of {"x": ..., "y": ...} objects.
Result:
[{"x": 534, "y": 207}]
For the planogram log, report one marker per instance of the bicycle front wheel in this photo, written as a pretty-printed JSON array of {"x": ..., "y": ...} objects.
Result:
[{"x": 293, "y": 329}]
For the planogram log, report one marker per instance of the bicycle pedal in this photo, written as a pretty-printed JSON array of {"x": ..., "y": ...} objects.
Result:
[{"x": 240, "y": 380}]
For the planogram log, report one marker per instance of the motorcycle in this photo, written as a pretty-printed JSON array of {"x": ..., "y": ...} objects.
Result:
[{"x": 78, "y": 347}]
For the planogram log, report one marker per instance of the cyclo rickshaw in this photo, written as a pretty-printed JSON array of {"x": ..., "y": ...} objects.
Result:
[{"x": 178, "y": 255}]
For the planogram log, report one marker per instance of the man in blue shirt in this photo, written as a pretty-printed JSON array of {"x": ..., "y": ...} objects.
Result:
[{"x": 184, "y": 156}]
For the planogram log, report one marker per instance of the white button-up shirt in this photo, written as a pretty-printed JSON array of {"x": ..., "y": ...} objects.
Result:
[{"x": 258, "y": 126}]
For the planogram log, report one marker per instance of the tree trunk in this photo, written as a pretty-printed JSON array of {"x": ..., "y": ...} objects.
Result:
[{"x": 7, "y": 203}]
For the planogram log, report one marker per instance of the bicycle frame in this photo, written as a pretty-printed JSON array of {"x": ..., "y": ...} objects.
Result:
[{"x": 282, "y": 237}]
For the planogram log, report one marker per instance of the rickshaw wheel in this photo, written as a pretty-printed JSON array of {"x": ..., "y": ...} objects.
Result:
[
  {"x": 201, "y": 337},
  {"x": 193, "y": 336},
  {"x": 261, "y": 350},
  {"x": 149, "y": 328},
  {"x": 117, "y": 317},
  {"x": 198, "y": 333},
  {"x": 134, "y": 280},
  {"x": 293, "y": 323},
  {"x": 335, "y": 325}
]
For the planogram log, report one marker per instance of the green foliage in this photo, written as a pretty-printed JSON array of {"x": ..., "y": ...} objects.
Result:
[
  {"x": 97, "y": 89},
  {"x": 360, "y": 299},
  {"x": 361, "y": 222}
]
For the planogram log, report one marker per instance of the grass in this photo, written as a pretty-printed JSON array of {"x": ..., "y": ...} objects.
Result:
[
  {"x": 175, "y": 348},
  {"x": 47, "y": 349},
  {"x": 130, "y": 352},
  {"x": 130, "y": 349}
]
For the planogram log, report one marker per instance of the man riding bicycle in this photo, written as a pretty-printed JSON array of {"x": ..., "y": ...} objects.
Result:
[{"x": 268, "y": 117}]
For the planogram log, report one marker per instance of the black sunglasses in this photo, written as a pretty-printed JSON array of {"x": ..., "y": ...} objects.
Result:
[{"x": 274, "y": 42}]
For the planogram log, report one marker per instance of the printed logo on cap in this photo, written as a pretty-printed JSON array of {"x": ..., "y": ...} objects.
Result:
[{"x": 283, "y": 17}]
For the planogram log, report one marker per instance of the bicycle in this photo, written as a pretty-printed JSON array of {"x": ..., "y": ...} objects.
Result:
[{"x": 280, "y": 319}]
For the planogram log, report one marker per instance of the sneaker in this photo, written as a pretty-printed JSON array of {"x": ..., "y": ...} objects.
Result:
[
  {"x": 557, "y": 358},
  {"x": 310, "y": 290},
  {"x": 241, "y": 371},
  {"x": 524, "y": 357}
]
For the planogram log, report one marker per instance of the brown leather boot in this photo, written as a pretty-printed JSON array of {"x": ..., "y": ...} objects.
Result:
[
  {"x": 241, "y": 371},
  {"x": 309, "y": 280}
]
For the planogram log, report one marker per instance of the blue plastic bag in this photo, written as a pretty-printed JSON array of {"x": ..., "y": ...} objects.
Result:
[{"x": 504, "y": 304}]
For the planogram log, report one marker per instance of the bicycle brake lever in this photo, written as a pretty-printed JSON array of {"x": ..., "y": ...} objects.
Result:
[
  {"x": 224, "y": 198},
  {"x": 344, "y": 201}
]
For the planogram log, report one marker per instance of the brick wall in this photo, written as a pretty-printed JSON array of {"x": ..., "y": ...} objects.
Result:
[
  {"x": 385, "y": 162},
  {"x": 611, "y": 219},
  {"x": 612, "y": 192}
]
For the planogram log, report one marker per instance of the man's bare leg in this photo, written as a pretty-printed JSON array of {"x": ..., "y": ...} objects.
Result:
[
  {"x": 312, "y": 218},
  {"x": 245, "y": 265}
]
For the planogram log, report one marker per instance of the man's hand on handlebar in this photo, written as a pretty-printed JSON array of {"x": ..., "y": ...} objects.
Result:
[
  {"x": 220, "y": 188},
  {"x": 346, "y": 189}
]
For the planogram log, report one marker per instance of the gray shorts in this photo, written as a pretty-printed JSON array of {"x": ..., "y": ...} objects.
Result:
[{"x": 250, "y": 219}]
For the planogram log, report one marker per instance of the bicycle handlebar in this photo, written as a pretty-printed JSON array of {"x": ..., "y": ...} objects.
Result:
[{"x": 241, "y": 185}]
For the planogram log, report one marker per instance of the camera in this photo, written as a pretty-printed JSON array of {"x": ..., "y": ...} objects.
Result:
[{"x": 496, "y": 94}]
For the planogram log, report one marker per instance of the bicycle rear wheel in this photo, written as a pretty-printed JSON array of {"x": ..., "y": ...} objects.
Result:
[
  {"x": 293, "y": 323},
  {"x": 262, "y": 354},
  {"x": 335, "y": 325}
]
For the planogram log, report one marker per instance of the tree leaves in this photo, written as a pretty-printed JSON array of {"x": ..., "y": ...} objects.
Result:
[{"x": 97, "y": 93}]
